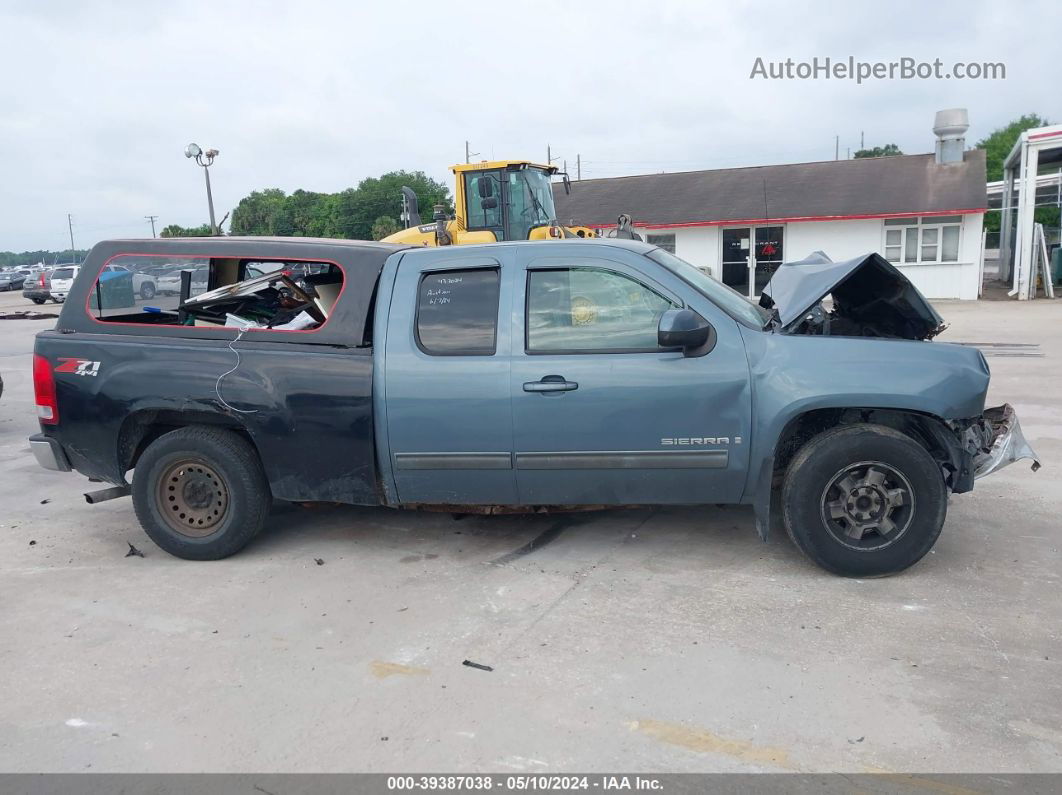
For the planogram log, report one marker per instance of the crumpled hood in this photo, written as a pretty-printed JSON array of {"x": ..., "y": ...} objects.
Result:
[{"x": 867, "y": 290}]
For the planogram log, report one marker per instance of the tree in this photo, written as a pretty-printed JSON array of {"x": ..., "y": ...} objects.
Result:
[
  {"x": 889, "y": 150},
  {"x": 999, "y": 143},
  {"x": 176, "y": 230},
  {"x": 383, "y": 226},
  {"x": 11, "y": 259},
  {"x": 258, "y": 213},
  {"x": 352, "y": 213},
  {"x": 997, "y": 146}
]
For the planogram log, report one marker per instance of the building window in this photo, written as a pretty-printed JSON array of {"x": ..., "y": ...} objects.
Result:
[
  {"x": 666, "y": 242},
  {"x": 926, "y": 240}
]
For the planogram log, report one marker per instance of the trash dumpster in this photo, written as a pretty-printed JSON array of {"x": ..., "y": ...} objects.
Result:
[{"x": 114, "y": 290}]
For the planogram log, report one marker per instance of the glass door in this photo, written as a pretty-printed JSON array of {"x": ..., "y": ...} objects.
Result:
[
  {"x": 751, "y": 255},
  {"x": 768, "y": 255},
  {"x": 736, "y": 258}
]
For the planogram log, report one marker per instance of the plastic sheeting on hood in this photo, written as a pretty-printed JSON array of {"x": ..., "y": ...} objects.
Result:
[{"x": 867, "y": 290}]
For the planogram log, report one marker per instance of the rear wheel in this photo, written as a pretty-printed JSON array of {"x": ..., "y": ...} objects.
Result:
[
  {"x": 864, "y": 500},
  {"x": 200, "y": 493},
  {"x": 37, "y": 301}
]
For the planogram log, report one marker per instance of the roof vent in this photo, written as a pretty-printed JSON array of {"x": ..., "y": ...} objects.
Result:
[{"x": 950, "y": 127}]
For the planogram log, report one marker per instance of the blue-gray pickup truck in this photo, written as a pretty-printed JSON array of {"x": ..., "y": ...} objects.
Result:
[{"x": 531, "y": 375}]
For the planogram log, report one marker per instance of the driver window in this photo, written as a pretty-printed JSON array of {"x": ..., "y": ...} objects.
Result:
[
  {"x": 588, "y": 310},
  {"x": 483, "y": 188}
]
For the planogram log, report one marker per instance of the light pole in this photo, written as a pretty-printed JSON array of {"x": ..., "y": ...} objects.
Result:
[{"x": 205, "y": 159}]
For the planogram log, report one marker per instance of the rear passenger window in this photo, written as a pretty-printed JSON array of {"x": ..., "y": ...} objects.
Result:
[
  {"x": 234, "y": 292},
  {"x": 457, "y": 312}
]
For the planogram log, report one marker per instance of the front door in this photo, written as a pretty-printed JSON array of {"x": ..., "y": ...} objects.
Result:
[
  {"x": 602, "y": 414},
  {"x": 750, "y": 257},
  {"x": 446, "y": 379}
]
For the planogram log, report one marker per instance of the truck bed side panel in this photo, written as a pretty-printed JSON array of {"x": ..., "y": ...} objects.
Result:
[{"x": 307, "y": 408}]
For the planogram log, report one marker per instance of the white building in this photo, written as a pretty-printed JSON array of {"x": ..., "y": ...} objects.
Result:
[{"x": 924, "y": 213}]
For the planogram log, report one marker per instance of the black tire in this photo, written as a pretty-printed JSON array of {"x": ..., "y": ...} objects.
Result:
[
  {"x": 208, "y": 478},
  {"x": 37, "y": 301},
  {"x": 147, "y": 291},
  {"x": 831, "y": 496}
]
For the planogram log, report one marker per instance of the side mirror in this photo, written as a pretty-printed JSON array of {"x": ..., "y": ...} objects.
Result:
[
  {"x": 684, "y": 328},
  {"x": 485, "y": 187},
  {"x": 489, "y": 203}
]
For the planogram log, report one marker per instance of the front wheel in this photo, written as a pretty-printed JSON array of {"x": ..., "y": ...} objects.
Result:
[
  {"x": 147, "y": 291},
  {"x": 200, "y": 493},
  {"x": 864, "y": 500}
]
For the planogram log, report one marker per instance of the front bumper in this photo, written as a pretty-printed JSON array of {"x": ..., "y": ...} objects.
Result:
[
  {"x": 1001, "y": 442},
  {"x": 49, "y": 453}
]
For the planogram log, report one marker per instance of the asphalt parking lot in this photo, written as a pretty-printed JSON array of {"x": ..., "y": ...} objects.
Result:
[{"x": 644, "y": 640}]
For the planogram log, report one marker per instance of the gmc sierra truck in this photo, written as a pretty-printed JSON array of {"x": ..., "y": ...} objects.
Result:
[{"x": 528, "y": 375}]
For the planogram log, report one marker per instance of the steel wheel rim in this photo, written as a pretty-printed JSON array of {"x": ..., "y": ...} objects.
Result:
[
  {"x": 192, "y": 497},
  {"x": 867, "y": 506}
]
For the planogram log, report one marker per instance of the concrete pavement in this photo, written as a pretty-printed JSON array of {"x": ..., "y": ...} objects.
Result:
[{"x": 649, "y": 640}]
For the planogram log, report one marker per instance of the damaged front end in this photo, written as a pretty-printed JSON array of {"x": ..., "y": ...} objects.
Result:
[
  {"x": 995, "y": 440},
  {"x": 870, "y": 298}
]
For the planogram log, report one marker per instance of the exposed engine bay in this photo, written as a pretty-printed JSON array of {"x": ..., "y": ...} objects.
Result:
[{"x": 870, "y": 298}]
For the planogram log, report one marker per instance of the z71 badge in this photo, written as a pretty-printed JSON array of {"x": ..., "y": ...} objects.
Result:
[{"x": 78, "y": 366}]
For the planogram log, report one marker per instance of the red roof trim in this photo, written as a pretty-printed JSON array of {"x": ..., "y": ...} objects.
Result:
[
  {"x": 1045, "y": 135},
  {"x": 799, "y": 218}
]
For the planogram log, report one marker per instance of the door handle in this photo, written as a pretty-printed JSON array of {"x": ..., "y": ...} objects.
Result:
[{"x": 550, "y": 383}]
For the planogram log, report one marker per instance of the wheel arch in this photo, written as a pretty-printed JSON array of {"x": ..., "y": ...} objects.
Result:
[
  {"x": 145, "y": 425},
  {"x": 929, "y": 430}
]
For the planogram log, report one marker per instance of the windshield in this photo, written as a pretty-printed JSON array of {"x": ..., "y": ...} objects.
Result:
[
  {"x": 730, "y": 301},
  {"x": 530, "y": 202},
  {"x": 63, "y": 273}
]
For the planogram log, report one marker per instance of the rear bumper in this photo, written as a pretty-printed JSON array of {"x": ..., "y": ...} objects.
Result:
[
  {"x": 49, "y": 453},
  {"x": 1002, "y": 442}
]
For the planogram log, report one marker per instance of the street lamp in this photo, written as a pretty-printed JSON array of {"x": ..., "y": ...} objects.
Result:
[{"x": 205, "y": 159}]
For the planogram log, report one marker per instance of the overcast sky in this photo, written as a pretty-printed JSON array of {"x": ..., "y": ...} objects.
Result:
[{"x": 98, "y": 99}]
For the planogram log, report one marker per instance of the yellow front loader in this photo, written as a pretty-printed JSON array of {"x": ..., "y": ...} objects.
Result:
[{"x": 494, "y": 200}]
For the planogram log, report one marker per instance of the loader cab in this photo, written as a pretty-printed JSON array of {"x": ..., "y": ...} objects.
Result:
[{"x": 508, "y": 199}]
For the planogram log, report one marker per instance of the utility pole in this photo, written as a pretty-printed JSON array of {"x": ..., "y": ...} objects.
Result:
[
  {"x": 565, "y": 169},
  {"x": 861, "y": 146},
  {"x": 152, "y": 219},
  {"x": 549, "y": 156},
  {"x": 578, "y": 167},
  {"x": 837, "y": 147},
  {"x": 70, "y": 226},
  {"x": 469, "y": 154},
  {"x": 848, "y": 153}
]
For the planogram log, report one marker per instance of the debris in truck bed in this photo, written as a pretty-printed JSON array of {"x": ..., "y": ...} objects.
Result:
[
  {"x": 319, "y": 561},
  {"x": 133, "y": 552},
  {"x": 480, "y": 666},
  {"x": 273, "y": 301}
]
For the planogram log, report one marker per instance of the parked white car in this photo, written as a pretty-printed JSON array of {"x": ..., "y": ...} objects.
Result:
[
  {"x": 62, "y": 280},
  {"x": 170, "y": 283},
  {"x": 144, "y": 284}
]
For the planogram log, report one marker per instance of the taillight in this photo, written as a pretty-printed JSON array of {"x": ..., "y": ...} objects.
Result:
[
  {"x": 41, "y": 282},
  {"x": 44, "y": 389}
]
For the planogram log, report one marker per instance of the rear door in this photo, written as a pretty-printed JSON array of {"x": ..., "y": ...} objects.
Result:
[
  {"x": 602, "y": 415},
  {"x": 446, "y": 378}
]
